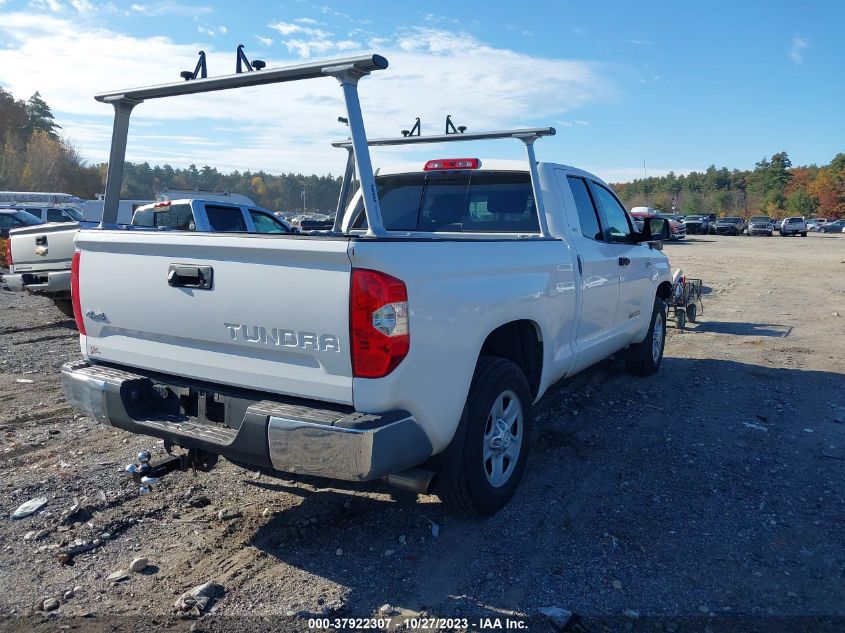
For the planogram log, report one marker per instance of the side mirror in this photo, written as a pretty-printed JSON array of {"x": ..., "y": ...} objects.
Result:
[{"x": 654, "y": 229}]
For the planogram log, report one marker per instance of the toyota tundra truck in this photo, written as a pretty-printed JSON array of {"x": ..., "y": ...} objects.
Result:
[{"x": 408, "y": 343}]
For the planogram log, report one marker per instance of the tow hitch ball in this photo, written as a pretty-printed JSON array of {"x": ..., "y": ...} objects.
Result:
[{"x": 147, "y": 475}]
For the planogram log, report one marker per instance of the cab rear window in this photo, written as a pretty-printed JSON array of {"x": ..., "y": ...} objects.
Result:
[
  {"x": 175, "y": 216},
  {"x": 461, "y": 201}
]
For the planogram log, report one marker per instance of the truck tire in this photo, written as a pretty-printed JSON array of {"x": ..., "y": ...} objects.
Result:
[
  {"x": 493, "y": 437},
  {"x": 65, "y": 305},
  {"x": 645, "y": 358},
  {"x": 803, "y": 233}
]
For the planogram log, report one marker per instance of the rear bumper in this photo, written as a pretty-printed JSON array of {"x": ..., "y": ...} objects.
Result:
[
  {"x": 46, "y": 282},
  {"x": 760, "y": 231},
  {"x": 289, "y": 435}
]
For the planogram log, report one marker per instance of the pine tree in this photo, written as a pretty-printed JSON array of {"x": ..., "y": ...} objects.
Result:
[{"x": 40, "y": 116}]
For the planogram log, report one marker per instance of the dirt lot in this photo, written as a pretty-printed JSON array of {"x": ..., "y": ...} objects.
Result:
[{"x": 707, "y": 497}]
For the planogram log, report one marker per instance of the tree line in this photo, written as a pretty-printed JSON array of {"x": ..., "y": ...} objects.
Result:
[
  {"x": 35, "y": 157},
  {"x": 774, "y": 188}
]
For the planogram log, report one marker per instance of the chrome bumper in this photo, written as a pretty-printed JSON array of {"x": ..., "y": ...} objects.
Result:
[
  {"x": 285, "y": 434},
  {"x": 47, "y": 282}
]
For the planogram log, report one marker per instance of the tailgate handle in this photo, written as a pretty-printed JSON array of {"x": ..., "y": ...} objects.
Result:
[
  {"x": 188, "y": 276},
  {"x": 41, "y": 240},
  {"x": 624, "y": 261}
]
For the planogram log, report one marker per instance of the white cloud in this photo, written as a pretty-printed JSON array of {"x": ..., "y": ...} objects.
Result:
[
  {"x": 286, "y": 127},
  {"x": 169, "y": 8},
  {"x": 82, "y": 6},
  {"x": 212, "y": 31},
  {"x": 306, "y": 20},
  {"x": 266, "y": 41},
  {"x": 285, "y": 28},
  {"x": 796, "y": 50},
  {"x": 53, "y": 5}
]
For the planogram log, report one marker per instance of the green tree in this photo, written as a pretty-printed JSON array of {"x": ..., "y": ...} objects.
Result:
[
  {"x": 41, "y": 116},
  {"x": 801, "y": 203}
]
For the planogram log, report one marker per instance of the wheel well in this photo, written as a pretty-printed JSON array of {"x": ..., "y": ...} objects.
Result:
[
  {"x": 664, "y": 291},
  {"x": 520, "y": 343}
]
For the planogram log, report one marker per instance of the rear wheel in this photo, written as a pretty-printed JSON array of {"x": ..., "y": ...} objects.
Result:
[
  {"x": 803, "y": 233},
  {"x": 644, "y": 358},
  {"x": 494, "y": 432}
]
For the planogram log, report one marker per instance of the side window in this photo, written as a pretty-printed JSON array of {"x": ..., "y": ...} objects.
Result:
[
  {"x": 265, "y": 223},
  {"x": 618, "y": 225},
  {"x": 587, "y": 215},
  {"x": 55, "y": 215},
  {"x": 225, "y": 218}
]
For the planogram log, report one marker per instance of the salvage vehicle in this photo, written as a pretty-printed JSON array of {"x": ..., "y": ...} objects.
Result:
[
  {"x": 50, "y": 213},
  {"x": 15, "y": 218},
  {"x": 761, "y": 225},
  {"x": 793, "y": 226},
  {"x": 193, "y": 214},
  {"x": 729, "y": 226},
  {"x": 408, "y": 343},
  {"x": 697, "y": 224},
  {"x": 39, "y": 258},
  {"x": 815, "y": 223},
  {"x": 832, "y": 227},
  {"x": 677, "y": 229}
]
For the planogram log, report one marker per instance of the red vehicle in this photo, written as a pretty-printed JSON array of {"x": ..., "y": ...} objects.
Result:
[{"x": 677, "y": 228}]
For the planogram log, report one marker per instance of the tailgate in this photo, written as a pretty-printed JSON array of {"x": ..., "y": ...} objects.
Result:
[
  {"x": 275, "y": 317},
  {"x": 42, "y": 247}
]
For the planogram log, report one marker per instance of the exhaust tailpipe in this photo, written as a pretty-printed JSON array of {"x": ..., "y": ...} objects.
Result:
[{"x": 417, "y": 480}]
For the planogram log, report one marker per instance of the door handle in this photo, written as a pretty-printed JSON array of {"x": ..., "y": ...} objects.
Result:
[
  {"x": 580, "y": 269},
  {"x": 190, "y": 276},
  {"x": 624, "y": 261}
]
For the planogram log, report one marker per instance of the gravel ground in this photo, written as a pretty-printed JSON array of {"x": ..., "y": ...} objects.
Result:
[{"x": 707, "y": 497}]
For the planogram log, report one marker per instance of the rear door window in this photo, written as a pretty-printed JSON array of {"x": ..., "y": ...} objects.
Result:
[
  {"x": 463, "y": 201},
  {"x": 225, "y": 219},
  {"x": 55, "y": 215}
]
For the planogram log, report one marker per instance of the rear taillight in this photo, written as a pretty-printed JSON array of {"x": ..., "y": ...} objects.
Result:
[
  {"x": 378, "y": 323},
  {"x": 9, "y": 252},
  {"x": 74, "y": 292}
]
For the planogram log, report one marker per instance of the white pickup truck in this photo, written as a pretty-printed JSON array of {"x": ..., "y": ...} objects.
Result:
[{"x": 409, "y": 343}]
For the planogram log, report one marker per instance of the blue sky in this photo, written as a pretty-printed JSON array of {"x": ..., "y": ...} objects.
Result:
[{"x": 679, "y": 86}]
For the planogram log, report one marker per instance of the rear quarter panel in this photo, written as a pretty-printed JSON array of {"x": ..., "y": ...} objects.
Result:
[{"x": 459, "y": 292}]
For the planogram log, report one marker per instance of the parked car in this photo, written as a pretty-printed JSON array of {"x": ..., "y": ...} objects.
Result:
[
  {"x": 11, "y": 218},
  {"x": 793, "y": 226},
  {"x": 48, "y": 213},
  {"x": 677, "y": 229},
  {"x": 729, "y": 226},
  {"x": 761, "y": 225},
  {"x": 814, "y": 223},
  {"x": 697, "y": 224},
  {"x": 399, "y": 347},
  {"x": 832, "y": 227},
  {"x": 194, "y": 214}
]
